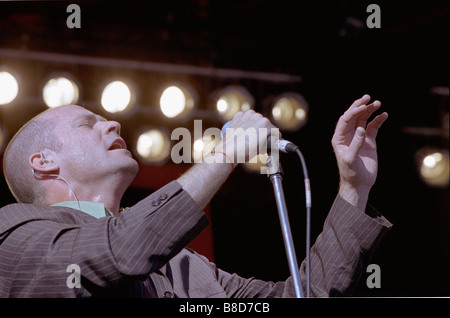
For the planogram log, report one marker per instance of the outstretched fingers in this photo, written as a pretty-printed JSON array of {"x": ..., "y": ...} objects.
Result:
[
  {"x": 369, "y": 110},
  {"x": 354, "y": 117},
  {"x": 375, "y": 124},
  {"x": 360, "y": 101}
]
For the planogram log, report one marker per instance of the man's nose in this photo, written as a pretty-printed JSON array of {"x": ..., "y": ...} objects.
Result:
[{"x": 112, "y": 126}]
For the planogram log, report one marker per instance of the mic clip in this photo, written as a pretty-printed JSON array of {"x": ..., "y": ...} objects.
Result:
[{"x": 274, "y": 169}]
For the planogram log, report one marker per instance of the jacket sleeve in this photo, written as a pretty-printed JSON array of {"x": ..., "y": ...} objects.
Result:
[
  {"x": 38, "y": 251},
  {"x": 348, "y": 239}
]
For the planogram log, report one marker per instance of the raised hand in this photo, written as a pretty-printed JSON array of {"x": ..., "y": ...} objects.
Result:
[{"x": 354, "y": 144}]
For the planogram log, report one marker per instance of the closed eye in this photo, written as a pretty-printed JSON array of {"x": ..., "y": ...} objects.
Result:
[
  {"x": 88, "y": 120},
  {"x": 89, "y": 125}
]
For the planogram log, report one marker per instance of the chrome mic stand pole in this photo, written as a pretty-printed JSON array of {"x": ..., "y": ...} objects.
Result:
[{"x": 276, "y": 179}]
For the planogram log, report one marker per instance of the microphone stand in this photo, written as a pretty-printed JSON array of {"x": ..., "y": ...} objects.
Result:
[{"x": 276, "y": 179}]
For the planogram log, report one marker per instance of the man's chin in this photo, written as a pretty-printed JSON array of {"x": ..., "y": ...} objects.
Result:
[{"x": 133, "y": 167}]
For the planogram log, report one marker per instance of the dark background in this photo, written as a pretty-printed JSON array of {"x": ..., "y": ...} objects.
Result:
[{"x": 327, "y": 45}]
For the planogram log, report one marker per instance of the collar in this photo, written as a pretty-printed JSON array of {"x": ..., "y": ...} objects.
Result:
[{"x": 95, "y": 209}]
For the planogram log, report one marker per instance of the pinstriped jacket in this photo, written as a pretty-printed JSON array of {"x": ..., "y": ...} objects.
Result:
[{"x": 141, "y": 253}]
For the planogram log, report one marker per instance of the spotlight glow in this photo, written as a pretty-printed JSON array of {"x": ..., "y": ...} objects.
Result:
[
  {"x": 176, "y": 101},
  {"x": 434, "y": 167},
  {"x": 173, "y": 102},
  {"x": 9, "y": 88},
  {"x": 232, "y": 100},
  {"x": 153, "y": 146},
  {"x": 289, "y": 112},
  {"x": 116, "y": 97},
  {"x": 60, "y": 91}
]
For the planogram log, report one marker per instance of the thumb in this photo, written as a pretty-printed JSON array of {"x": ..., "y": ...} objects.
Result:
[{"x": 357, "y": 142}]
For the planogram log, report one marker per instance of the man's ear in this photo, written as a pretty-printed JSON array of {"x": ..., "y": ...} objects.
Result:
[{"x": 41, "y": 164}]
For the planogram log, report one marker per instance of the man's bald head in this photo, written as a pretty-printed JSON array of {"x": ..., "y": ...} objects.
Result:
[
  {"x": 83, "y": 148},
  {"x": 35, "y": 136}
]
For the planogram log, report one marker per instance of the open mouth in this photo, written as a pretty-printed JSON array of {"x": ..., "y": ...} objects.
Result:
[{"x": 118, "y": 144}]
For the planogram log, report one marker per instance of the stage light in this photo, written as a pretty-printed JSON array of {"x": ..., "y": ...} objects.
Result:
[
  {"x": 433, "y": 166},
  {"x": 117, "y": 97},
  {"x": 177, "y": 101},
  {"x": 289, "y": 111},
  {"x": 60, "y": 91},
  {"x": 153, "y": 146},
  {"x": 231, "y": 100},
  {"x": 9, "y": 87}
]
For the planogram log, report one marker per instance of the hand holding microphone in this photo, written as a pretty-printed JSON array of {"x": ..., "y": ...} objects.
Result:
[
  {"x": 249, "y": 134},
  {"x": 281, "y": 144}
]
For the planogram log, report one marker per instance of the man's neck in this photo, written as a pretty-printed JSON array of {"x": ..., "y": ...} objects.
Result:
[{"x": 110, "y": 197}]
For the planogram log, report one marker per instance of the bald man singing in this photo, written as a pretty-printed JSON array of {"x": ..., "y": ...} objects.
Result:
[{"x": 68, "y": 168}]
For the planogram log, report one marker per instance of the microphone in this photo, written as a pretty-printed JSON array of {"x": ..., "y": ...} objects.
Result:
[{"x": 282, "y": 144}]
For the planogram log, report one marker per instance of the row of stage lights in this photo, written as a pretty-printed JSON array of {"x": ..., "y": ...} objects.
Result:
[{"x": 289, "y": 113}]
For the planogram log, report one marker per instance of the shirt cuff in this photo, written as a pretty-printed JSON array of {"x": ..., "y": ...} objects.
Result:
[{"x": 367, "y": 227}]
